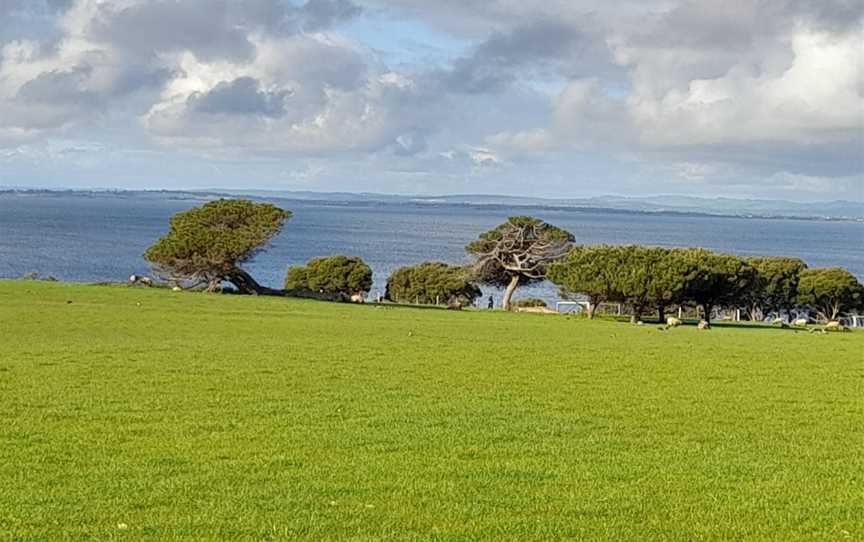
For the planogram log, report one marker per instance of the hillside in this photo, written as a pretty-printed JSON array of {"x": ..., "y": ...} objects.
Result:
[{"x": 136, "y": 414}]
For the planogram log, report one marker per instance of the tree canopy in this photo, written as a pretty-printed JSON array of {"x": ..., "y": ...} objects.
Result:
[
  {"x": 639, "y": 276},
  {"x": 714, "y": 279},
  {"x": 517, "y": 252},
  {"x": 830, "y": 291},
  {"x": 207, "y": 244},
  {"x": 337, "y": 275},
  {"x": 432, "y": 282},
  {"x": 587, "y": 270},
  {"x": 642, "y": 277},
  {"x": 776, "y": 285}
]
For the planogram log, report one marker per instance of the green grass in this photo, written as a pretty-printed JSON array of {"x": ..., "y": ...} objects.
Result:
[{"x": 135, "y": 414}]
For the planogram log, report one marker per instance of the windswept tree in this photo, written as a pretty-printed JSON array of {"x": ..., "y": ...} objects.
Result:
[
  {"x": 432, "y": 282},
  {"x": 830, "y": 292},
  {"x": 587, "y": 270},
  {"x": 517, "y": 252},
  {"x": 715, "y": 280},
  {"x": 338, "y": 276},
  {"x": 776, "y": 286},
  {"x": 207, "y": 245}
]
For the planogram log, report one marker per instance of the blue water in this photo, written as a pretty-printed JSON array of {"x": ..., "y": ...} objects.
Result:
[{"x": 101, "y": 237}]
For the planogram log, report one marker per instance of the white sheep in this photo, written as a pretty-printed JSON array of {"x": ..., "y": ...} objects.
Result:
[{"x": 673, "y": 322}]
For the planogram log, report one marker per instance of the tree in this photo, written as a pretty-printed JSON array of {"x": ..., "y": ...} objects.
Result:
[
  {"x": 643, "y": 277},
  {"x": 432, "y": 282},
  {"x": 670, "y": 275},
  {"x": 776, "y": 286},
  {"x": 341, "y": 276},
  {"x": 589, "y": 271},
  {"x": 207, "y": 244},
  {"x": 715, "y": 279},
  {"x": 830, "y": 291},
  {"x": 517, "y": 252}
]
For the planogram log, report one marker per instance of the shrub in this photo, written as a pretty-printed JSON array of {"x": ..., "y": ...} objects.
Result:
[
  {"x": 335, "y": 275},
  {"x": 529, "y": 302},
  {"x": 430, "y": 283}
]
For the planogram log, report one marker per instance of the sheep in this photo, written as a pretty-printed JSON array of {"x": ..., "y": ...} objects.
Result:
[
  {"x": 673, "y": 322},
  {"x": 703, "y": 324},
  {"x": 138, "y": 279},
  {"x": 800, "y": 322},
  {"x": 357, "y": 298},
  {"x": 835, "y": 326}
]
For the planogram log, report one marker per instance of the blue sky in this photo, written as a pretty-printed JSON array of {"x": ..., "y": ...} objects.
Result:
[{"x": 555, "y": 98}]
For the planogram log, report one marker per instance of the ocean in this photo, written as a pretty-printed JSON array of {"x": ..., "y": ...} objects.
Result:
[{"x": 92, "y": 237}]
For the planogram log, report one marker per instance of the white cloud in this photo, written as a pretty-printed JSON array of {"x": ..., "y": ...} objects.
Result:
[
  {"x": 817, "y": 98},
  {"x": 714, "y": 93}
]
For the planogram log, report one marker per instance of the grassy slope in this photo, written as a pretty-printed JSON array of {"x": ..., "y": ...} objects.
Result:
[{"x": 150, "y": 415}]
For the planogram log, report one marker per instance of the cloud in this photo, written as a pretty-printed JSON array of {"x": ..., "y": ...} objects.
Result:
[
  {"x": 542, "y": 49},
  {"x": 306, "y": 93},
  {"x": 242, "y": 96},
  {"x": 322, "y": 14},
  {"x": 210, "y": 29},
  {"x": 672, "y": 93}
]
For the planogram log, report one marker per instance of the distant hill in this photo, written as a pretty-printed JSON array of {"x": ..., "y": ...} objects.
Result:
[
  {"x": 668, "y": 204},
  {"x": 822, "y": 210}
]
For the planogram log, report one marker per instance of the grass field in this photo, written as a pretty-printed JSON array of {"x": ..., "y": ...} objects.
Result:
[{"x": 135, "y": 414}]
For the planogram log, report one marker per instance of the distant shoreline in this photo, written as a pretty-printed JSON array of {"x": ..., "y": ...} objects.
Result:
[{"x": 365, "y": 200}]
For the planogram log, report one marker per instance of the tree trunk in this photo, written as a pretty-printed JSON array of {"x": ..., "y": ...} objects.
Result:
[
  {"x": 661, "y": 313},
  {"x": 592, "y": 308},
  {"x": 636, "y": 317},
  {"x": 508, "y": 293},
  {"x": 247, "y": 285},
  {"x": 706, "y": 309},
  {"x": 213, "y": 285}
]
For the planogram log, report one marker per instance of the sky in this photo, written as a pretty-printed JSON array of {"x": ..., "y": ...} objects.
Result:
[{"x": 545, "y": 98}]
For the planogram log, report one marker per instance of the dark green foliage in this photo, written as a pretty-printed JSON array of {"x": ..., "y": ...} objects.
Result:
[
  {"x": 776, "y": 286},
  {"x": 517, "y": 252},
  {"x": 714, "y": 279},
  {"x": 587, "y": 270},
  {"x": 529, "y": 302},
  {"x": 642, "y": 277},
  {"x": 338, "y": 275},
  {"x": 638, "y": 276},
  {"x": 207, "y": 244},
  {"x": 432, "y": 282},
  {"x": 830, "y": 291}
]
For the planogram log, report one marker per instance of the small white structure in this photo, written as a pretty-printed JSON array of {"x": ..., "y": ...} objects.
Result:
[{"x": 578, "y": 305}]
